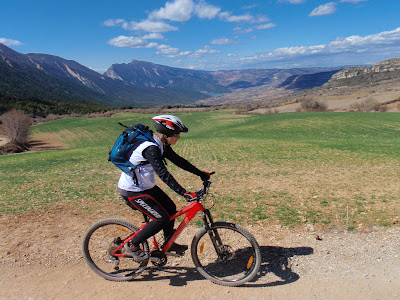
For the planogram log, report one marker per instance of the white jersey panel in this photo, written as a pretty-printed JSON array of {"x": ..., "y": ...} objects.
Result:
[{"x": 144, "y": 173}]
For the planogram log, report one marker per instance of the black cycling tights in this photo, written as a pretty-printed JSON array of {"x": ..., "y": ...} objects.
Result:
[{"x": 155, "y": 204}]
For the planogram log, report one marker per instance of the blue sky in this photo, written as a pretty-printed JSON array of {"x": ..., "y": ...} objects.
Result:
[{"x": 206, "y": 34}]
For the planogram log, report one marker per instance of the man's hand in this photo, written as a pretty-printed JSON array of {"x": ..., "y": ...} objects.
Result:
[
  {"x": 190, "y": 196},
  {"x": 205, "y": 176}
]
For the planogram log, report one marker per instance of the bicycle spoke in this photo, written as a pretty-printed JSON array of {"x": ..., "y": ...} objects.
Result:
[
  {"x": 232, "y": 259},
  {"x": 100, "y": 244}
]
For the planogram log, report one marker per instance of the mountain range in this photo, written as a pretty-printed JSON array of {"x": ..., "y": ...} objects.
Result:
[{"x": 138, "y": 83}]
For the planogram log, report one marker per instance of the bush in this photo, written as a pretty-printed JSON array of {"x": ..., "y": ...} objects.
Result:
[
  {"x": 16, "y": 125},
  {"x": 313, "y": 105},
  {"x": 369, "y": 104}
]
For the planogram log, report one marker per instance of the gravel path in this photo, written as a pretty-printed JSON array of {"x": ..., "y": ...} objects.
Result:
[{"x": 38, "y": 261}]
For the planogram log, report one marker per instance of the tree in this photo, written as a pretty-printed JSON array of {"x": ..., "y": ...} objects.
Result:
[{"x": 16, "y": 125}]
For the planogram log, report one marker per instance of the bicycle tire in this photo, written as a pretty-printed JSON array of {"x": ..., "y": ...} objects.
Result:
[
  {"x": 98, "y": 243},
  {"x": 240, "y": 257}
]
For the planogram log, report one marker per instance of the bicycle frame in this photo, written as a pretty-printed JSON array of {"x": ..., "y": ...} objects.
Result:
[{"x": 191, "y": 210}]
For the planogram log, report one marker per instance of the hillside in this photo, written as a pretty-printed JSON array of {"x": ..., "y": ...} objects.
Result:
[
  {"x": 43, "y": 77},
  {"x": 346, "y": 88},
  {"x": 48, "y": 77},
  {"x": 36, "y": 80},
  {"x": 308, "y": 81},
  {"x": 140, "y": 73},
  {"x": 349, "y": 87},
  {"x": 243, "y": 79}
]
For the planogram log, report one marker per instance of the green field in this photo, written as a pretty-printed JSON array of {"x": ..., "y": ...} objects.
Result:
[{"x": 331, "y": 169}]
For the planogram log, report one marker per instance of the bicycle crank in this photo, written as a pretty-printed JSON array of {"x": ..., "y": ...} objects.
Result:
[{"x": 158, "y": 258}]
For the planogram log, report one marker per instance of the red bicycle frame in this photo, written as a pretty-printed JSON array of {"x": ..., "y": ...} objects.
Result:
[{"x": 190, "y": 211}]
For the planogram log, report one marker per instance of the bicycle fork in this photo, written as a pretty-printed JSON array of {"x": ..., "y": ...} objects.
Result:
[{"x": 214, "y": 236}]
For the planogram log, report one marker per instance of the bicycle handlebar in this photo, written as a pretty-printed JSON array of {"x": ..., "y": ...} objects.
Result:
[{"x": 203, "y": 191}]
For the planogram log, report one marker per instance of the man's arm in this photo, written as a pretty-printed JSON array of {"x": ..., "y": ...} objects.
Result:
[
  {"x": 153, "y": 155},
  {"x": 180, "y": 161}
]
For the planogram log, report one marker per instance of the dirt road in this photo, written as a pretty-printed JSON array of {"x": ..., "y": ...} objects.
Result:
[{"x": 41, "y": 259}]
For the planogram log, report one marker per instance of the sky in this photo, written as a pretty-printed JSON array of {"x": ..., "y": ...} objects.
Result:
[{"x": 206, "y": 34}]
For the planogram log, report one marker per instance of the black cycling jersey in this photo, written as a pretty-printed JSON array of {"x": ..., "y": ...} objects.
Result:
[{"x": 154, "y": 157}]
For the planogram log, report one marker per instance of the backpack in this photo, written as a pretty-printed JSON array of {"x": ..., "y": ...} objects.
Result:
[{"x": 126, "y": 143}]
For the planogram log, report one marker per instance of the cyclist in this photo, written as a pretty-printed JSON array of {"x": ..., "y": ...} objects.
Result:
[{"x": 140, "y": 191}]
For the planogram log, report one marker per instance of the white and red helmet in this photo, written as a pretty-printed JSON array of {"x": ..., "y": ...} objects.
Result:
[{"x": 169, "y": 125}]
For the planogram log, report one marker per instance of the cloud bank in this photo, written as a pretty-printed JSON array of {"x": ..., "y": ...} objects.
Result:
[
  {"x": 181, "y": 11},
  {"x": 371, "y": 45},
  {"x": 9, "y": 42}
]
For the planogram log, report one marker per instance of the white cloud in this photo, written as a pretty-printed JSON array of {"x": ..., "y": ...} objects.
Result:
[
  {"x": 113, "y": 22},
  {"x": 154, "y": 36},
  {"x": 152, "y": 45},
  {"x": 293, "y": 1},
  {"x": 325, "y": 9},
  {"x": 9, "y": 42},
  {"x": 177, "y": 10},
  {"x": 353, "y": 1},
  {"x": 246, "y": 18},
  {"x": 223, "y": 41},
  {"x": 149, "y": 26},
  {"x": 205, "y": 50},
  {"x": 251, "y": 6},
  {"x": 265, "y": 26},
  {"x": 183, "y": 10},
  {"x": 128, "y": 41},
  {"x": 146, "y": 25},
  {"x": 387, "y": 41},
  {"x": 169, "y": 51},
  {"x": 243, "y": 30},
  {"x": 206, "y": 11},
  {"x": 228, "y": 17}
]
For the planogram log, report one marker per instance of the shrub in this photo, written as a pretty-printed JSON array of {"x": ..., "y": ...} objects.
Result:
[
  {"x": 369, "y": 104},
  {"x": 16, "y": 125},
  {"x": 313, "y": 105}
]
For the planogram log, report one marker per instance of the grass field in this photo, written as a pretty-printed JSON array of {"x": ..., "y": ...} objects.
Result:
[{"x": 330, "y": 169}]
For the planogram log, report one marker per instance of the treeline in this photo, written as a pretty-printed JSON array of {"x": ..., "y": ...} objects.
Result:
[{"x": 35, "y": 107}]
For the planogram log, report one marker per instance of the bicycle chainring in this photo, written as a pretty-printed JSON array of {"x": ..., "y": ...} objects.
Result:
[{"x": 158, "y": 258}]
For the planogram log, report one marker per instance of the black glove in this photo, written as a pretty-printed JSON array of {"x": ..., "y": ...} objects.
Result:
[
  {"x": 190, "y": 196},
  {"x": 205, "y": 176}
]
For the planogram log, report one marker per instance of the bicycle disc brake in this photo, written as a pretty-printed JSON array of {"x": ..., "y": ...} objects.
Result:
[
  {"x": 226, "y": 252},
  {"x": 158, "y": 258}
]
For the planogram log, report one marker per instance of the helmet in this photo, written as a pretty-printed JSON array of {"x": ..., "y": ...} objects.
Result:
[{"x": 168, "y": 125}]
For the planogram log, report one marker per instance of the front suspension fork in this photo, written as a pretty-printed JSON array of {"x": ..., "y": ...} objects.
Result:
[{"x": 213, "y": 233}]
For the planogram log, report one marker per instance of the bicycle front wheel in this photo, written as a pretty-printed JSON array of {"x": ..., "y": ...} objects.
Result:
[
  {"x": 99, "y": 243},
  {"x": 227, "y": 254}
]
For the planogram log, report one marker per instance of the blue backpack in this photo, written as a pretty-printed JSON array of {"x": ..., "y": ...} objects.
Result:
[{"x": 126, "y": 143}]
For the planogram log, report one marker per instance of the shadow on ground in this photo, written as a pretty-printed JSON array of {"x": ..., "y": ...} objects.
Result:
[
  {"x": 42, "y": 146},
  {"x": 275, "y": 260}
]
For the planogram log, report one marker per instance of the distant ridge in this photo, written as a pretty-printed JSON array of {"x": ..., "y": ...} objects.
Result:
[
  {"x": 308, "y": 81},
  {"x": 44, "y": 77}
]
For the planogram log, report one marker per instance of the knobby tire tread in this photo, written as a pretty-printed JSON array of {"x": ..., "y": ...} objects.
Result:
[
  {"x": 92, "y": 264},
  {"x": 242, "y": 231}
]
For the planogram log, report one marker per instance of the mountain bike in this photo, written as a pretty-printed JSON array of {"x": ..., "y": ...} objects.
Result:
[{"x": 222, "y": 252}]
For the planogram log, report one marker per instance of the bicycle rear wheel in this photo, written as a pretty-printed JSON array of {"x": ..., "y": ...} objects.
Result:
[
  {"x": 227, "y": 254},
  {"x": 101, "y": 239}
]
